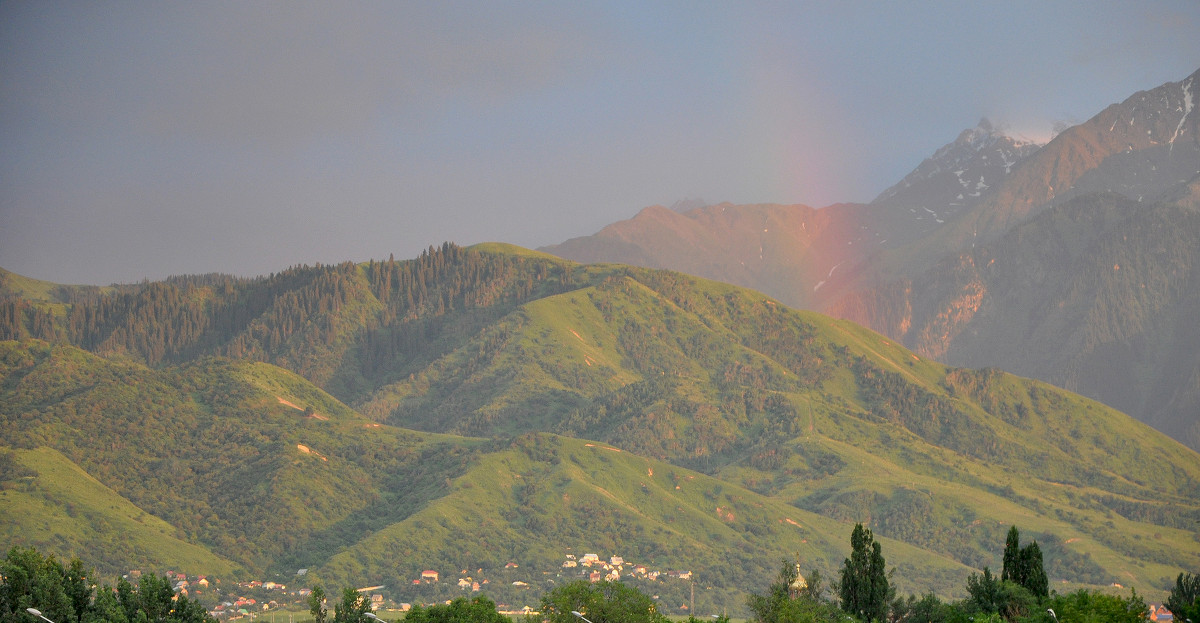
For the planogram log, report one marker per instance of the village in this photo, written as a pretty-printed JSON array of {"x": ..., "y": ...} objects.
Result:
[{"x": 509, "y": 586}]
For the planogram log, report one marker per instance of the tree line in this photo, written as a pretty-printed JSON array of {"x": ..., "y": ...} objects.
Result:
[{"x": 33, "y": 586}]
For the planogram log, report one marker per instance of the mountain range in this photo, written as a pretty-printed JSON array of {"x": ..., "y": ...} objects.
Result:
[
  {"x": 1071, "y": 262},
  {"x": 472, "y": 409},
  {"x": 475, "y": 407}
]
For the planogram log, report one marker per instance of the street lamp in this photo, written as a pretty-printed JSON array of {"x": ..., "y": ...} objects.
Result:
[
  {"x": 580, "y": 615},
  {"x": 38, "y": 613},
  {"x": 371, "y": 615},
  {"x": 1052, "y": 615}
]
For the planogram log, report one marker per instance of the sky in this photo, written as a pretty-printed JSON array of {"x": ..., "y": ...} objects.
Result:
[{"x": 140, "y": 140}]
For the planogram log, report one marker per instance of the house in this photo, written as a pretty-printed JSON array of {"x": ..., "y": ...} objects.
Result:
[
  {"x": 1161, "y": 614},
  {"x": 429, "y": 576},
  {"x": 594, "y": 577},
  {"x": 569, "y": 564},
  {"x": 616, "y": 561},
  {"x": 510, "y": 565},
  {"x": 464, "y": 583},
  {"x": 640, "y": 570},
  {"x": 589, "y": 560}
]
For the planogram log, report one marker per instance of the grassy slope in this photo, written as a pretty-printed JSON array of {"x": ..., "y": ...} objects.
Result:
[
  {"x": 548, "y": 496},
  {"x": 683, "y": 371},
  {"x": 64, "y": 511},
  {"x": 1085, "y": 455}
]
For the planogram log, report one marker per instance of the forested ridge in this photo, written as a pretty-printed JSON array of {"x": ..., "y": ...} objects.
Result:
[{"x": 360, "y": 419}]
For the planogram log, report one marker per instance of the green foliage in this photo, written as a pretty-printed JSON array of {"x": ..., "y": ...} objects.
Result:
[
  {"x": 1085, "y": 606},
  {"x": 928, "y": 608},
  {"x": 1184, "y": 600},
  {"x": 316, "y": 604},
  {"x": 66, "y": 593},
  {"x": 477, "y": 610},
  {"x": 352, "y": 608},
  {"x": 863, "y": 586},
  {"x": 1023, "y": 565},
  {"x": 789, "y": 601},
  {"x": 1012, "y": 555},
  {"x": 1032, "y": 575},
  {"x": 990, "y": 595},
  {"x": 601, "y": 602}
]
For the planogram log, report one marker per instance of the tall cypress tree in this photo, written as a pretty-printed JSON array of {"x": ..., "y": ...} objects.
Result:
[
  {"x": 1012, "y": 556},
  {"x": 1023, "y": 565},
  {"x": 1033, "y": 573},
  {"x": 864, "y": 587}
]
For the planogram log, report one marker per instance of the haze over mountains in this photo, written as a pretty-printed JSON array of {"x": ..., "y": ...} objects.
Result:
[{"x": 1099, "y": 224}]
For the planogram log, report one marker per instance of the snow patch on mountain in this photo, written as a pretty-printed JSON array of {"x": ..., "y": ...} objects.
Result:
[{"x": 1187, "y": 110}]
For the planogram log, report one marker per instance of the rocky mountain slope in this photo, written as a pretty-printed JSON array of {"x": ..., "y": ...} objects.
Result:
[{"x": 886, "y": 264}]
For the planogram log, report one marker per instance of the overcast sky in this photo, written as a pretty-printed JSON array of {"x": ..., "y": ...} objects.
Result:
[{"x": 146, "y": 139}]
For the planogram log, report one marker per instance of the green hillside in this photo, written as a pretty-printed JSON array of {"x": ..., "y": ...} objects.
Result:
[
  {"x": 273, "y": 423},
  {"x": 58, "y": 507}
]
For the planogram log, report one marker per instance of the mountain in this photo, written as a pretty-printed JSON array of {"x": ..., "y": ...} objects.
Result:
[
  {"x": 786, "y": 250},
  {"x": 1141, "y": 148},
  {"x": 793, "y": 251},
  {"x": 1097, "y": 295},
  {"x": 955, "y": 179},
  {"x": 1079, "y": 267},
  {"x": 475, "y": 407},
  {"x": 898, "y": 264}
]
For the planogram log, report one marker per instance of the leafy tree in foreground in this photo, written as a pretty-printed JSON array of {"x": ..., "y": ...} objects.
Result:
[
  {"x": 1023, "y": 565},
  {"x": 1085, "y": 607},
  {"x": 864, "y": 586},
  {"x": 1034, "y": 573},
  {"x": 1184, "y": 600},
  {"x": 64, "y": 594},
  {"x": 316, "y": 604},
  {"x": 787, "y": 601},
  {"x": 1012, "y": 555},
  {"x": 989, "y": 595},
  {"x": 602, "y": 602},
  {"x": 927, "y": 609},
  {"x": 353, "y": 608},
  {"x": 478, "y": 610}
]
